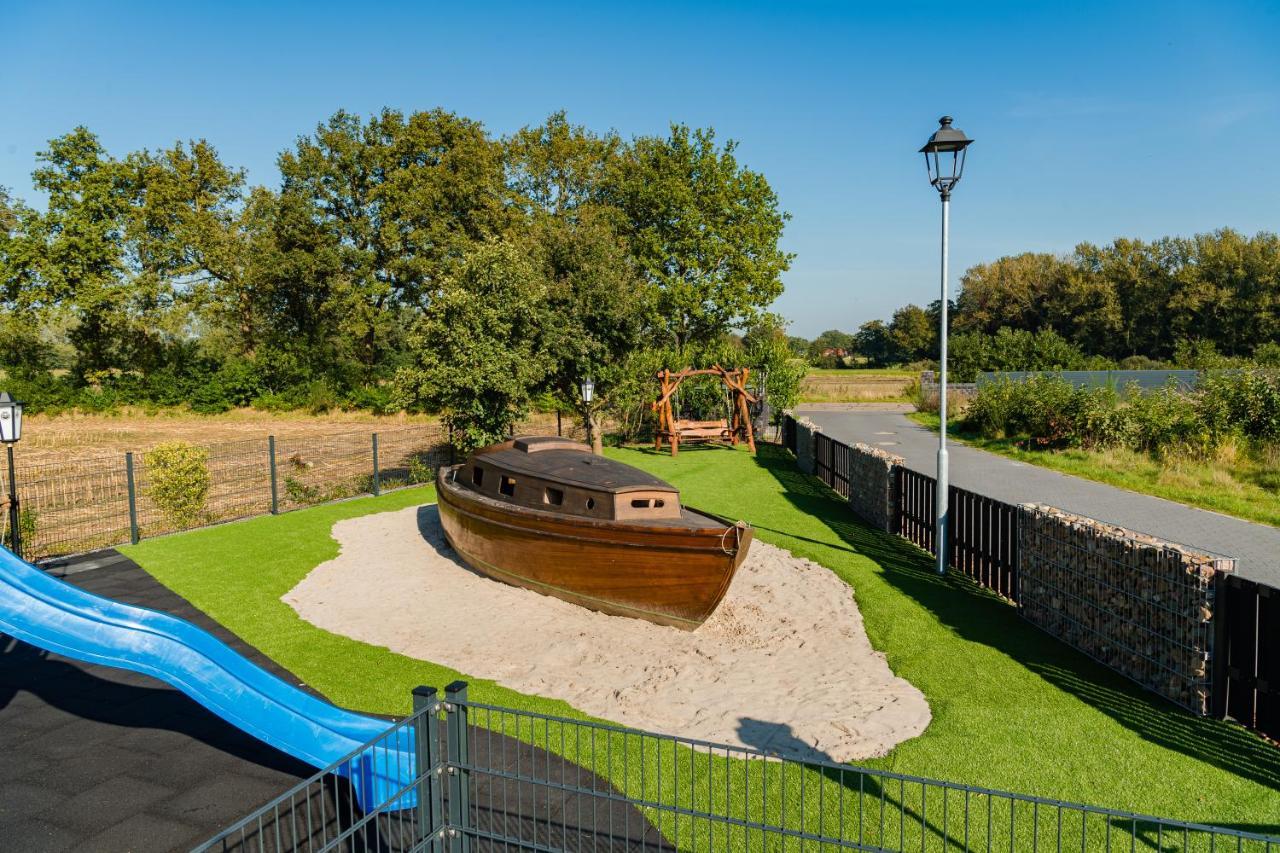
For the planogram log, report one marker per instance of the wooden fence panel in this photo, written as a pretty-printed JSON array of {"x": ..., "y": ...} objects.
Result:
[{"x": 1247, "y": 674}]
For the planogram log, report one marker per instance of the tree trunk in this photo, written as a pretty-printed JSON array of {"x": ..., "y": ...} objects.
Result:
[{"x": 597, "y": 440}]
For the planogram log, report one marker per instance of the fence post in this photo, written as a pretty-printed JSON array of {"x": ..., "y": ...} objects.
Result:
[
  {"x": 1220, "y": 655},
  {"x": 426, "y": 733},
  {"x": 377, "y": 490},
  {"x": 133, "y": 498},
  {"x": 275, "y": 492},
  {"x": 455, "y": 697}
]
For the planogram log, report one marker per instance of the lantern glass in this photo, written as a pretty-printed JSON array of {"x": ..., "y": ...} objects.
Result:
[
  {"x": 588, "y": 390},
  {"x": 944, "y": 155},
  {"x": 10, "y": 419}
]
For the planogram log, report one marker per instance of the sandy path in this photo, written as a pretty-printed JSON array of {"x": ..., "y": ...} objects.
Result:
[{"x": 782, "y": 665}]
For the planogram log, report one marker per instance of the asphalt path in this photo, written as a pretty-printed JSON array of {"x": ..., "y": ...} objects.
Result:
[{"x": 1256, "y": 547}]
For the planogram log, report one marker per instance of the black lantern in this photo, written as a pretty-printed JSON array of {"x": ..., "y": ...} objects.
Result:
[
  {"x": 10, "y": 418},
  {"x": 10, "y": 432},
  {"x": 588, "y": 390},
  {"x": 944, "y": 156}
]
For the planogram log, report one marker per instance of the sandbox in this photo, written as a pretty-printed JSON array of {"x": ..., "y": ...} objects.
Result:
[{"x": 783, "y": 665}]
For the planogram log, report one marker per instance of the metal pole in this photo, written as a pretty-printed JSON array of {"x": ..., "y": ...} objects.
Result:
[
  {"x": 942, "y": 499},
  {"x": 271, "y": 461},
  {"x": 377, "y": 486},
  {"x": 455, "y": 697},
  {"x": 133, "y": 497},
  {"x": 427, "y": 740},
  {"x": 15, "y": 516}
]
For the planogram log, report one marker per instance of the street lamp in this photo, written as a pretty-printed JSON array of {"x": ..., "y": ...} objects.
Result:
[
  {"x": 588, "y": 389},
  {"x": 10, "y": 433},
  {"x": 944, "y": 160}
]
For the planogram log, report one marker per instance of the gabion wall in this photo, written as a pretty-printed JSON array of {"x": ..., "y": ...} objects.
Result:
[
  {"x": 873, "y": 486},
  {"x": 1138, "y": 604}
]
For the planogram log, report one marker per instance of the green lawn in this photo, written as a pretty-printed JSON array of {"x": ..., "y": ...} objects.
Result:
[
  {"x": 1013, "y": 709},
  {"x": 1246, "y": 486}
]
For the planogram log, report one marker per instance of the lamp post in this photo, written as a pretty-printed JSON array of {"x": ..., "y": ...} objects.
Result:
[
  {"x": 10, "y": 432},
  {"x": 944, "y": 159},
  {"x": 588, "y": 389}
]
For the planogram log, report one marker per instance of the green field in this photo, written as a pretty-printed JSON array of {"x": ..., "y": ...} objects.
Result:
[
  {"x": 1244, "y": 485},
  {"x": 1012, "y": 708}
]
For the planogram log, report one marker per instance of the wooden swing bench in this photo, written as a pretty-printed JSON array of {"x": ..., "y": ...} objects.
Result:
[{"x": 677, "y": 430}]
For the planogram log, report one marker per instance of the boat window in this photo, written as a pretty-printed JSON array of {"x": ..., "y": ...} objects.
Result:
[
  {"x": 646, "y": 503},
  {"x": 477, "y": 475},
  {"x": 555, "y": 497},
  {"x": 591, "y": 503},
  {"x": 508, "y": 486}
]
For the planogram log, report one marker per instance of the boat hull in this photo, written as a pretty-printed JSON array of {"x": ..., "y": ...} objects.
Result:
[{"x": 671, "y": 573}]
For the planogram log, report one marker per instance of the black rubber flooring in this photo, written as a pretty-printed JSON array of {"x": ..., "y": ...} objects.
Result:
[{"x": 100, "y": 759}]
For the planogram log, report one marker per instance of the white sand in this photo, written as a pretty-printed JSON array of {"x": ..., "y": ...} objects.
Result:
[{"x": 783, "y": 664}]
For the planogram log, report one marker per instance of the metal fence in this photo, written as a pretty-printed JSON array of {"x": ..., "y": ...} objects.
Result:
[
  {"x": 1247, "y": 657},
  {"x": 81, "y": 505},
  {"x": 491, "y": 778}
]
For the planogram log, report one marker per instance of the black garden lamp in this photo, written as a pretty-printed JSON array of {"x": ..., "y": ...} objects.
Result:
[
  {"x": 944, "y": 156},
  {"x": 944, "y": 160},
  {"x": 10, "y": 433},
  {"x": 588, "y": 389}
]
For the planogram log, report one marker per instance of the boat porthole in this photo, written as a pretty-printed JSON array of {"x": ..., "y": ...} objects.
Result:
[{"x": 591, "y": 503}]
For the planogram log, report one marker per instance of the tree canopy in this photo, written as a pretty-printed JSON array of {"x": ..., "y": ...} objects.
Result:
[{"x": 402, "y": 260}]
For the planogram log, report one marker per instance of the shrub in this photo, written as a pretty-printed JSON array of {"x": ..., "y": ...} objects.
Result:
[
  {"x": 26, "y": 527},
  {"x": 178, "y": 481}
]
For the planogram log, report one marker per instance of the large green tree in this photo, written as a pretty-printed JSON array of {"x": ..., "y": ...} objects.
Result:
[
  {"x": 480, "y": 349},
  {"x": 402, "y": 199},
  {"x": 704, "y": 232}
]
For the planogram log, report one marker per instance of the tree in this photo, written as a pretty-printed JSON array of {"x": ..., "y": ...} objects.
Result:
[
  {"x": 83, "y": 263},
  {"x": 598, "y": 305},
  {"x": 480, "y": 350},
  {"x": 874, "y": 343},
  {"x": 914, "y": 334},
  {"x": 704, "y": 233},
  {"x": 403, "y": 199}
]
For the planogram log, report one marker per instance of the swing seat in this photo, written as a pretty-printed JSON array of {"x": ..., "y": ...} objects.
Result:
[{"x": 702, "y": 430}]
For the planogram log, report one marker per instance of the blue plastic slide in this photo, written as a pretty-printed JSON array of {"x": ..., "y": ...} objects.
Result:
[{"x": 56, "y": 616}]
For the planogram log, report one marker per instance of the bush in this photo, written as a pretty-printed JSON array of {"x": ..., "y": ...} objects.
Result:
[{"x": 178, "y": 481}]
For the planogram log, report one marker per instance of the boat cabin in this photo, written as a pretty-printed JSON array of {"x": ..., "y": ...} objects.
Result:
[{"x": 560, "y": 475}]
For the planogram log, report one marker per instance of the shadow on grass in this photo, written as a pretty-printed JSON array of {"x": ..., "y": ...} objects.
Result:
[{"x": 979, "y": 616}]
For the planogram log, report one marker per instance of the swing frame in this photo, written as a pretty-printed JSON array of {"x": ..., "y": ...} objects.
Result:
[{"x": 676, "y": 430}]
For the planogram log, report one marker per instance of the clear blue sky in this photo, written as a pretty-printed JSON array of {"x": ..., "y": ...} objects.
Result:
[{"x": 1092, "y": 120}]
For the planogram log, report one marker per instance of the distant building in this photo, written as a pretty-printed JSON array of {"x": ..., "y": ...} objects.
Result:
[{"x": 836, "y": 352}]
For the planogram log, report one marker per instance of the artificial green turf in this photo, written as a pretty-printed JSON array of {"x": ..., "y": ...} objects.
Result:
[{"x": 1013, "y": 708}]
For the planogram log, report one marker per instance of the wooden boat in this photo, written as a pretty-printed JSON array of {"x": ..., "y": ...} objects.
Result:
[{"x": 545, "y": 514}]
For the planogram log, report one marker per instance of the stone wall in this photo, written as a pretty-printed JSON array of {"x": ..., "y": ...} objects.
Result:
[
  {"x": 805, "y": 457},
  {"x": 873, "y": 486},
  {"x": 1142, "y": 606}
]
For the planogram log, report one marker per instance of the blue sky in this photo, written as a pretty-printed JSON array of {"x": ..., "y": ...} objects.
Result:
[{"x": 1092, "y": 120}]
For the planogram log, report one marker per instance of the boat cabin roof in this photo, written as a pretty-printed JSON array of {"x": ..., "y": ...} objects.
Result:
[{"x": 567, "y": 461}]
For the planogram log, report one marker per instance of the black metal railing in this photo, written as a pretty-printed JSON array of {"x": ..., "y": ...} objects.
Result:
[{"x": 492, "y": 778}]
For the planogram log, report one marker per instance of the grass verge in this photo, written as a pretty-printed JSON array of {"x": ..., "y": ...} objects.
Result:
[
  {"x": 1242, "y": 485},
  {"x": 1013, "y": 708}
]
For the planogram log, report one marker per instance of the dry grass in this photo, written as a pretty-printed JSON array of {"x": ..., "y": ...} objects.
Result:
[
  {"x": 73, "y": 480},
  {"x": 854, "y": 386}
]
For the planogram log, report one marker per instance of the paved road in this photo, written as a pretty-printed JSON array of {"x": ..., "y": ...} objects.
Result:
[{"x": 1256, "y": 547}]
